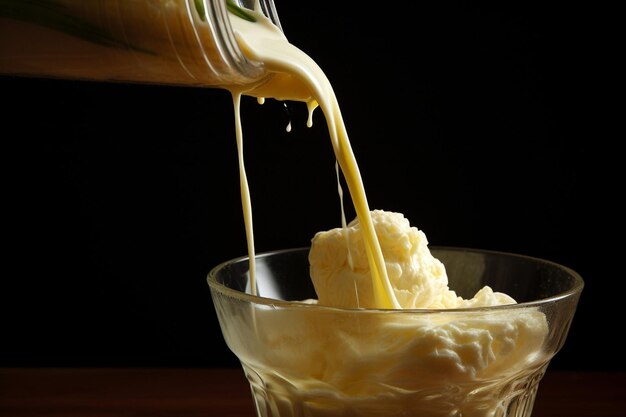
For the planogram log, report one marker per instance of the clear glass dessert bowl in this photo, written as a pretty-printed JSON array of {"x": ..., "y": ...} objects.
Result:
[{"x": 304, "y": 359}]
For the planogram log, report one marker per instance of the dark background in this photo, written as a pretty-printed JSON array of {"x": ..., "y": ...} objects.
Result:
[{"x": 479, "y": 123}]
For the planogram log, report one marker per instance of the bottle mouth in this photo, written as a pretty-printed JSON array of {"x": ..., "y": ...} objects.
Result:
[
  {"x": 217, "y": 13},
  {"x": 269, "y": 9}
]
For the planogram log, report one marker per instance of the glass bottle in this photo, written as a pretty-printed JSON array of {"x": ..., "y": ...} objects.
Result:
[{"x": 176, "y": 42}]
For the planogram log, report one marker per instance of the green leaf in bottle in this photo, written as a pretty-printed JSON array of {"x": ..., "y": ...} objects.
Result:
[{"x": 233, "y": 8}]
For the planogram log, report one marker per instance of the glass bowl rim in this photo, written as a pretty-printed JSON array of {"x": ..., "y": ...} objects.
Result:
[{"x": 274, "y": 303}]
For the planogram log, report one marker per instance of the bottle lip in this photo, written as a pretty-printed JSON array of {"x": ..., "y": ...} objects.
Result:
[
  {"x": 217, "y": 13},
  {"x": 269, "y": 9}
]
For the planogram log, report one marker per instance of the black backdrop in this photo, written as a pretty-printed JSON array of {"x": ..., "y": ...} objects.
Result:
[{"x": 474, "y": 121}]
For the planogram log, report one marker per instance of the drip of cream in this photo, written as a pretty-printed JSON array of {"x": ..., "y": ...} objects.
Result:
[
  {"x": 344, "y": 224},
  {"x": 246, "y": 202}
]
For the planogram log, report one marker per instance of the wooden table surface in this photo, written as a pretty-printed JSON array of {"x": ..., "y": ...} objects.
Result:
[{"x": 156, "y": 392}]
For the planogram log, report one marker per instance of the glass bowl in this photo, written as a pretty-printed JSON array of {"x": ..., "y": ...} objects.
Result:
[{"x": 304, "y": 359}]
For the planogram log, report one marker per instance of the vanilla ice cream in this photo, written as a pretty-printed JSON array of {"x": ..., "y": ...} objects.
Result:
[
  {"x": 341, "y": 273},
  {"x": 403, "y": 357}
]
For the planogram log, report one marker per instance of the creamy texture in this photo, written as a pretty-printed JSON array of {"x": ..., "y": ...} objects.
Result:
[
  {"x": 375, "y": 363},
  {"x": 341, "y": 273}
]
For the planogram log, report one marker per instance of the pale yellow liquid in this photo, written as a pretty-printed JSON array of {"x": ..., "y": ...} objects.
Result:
[
  {"x": 297, "y": 76},
  {"x": 352, "y": 362}
]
